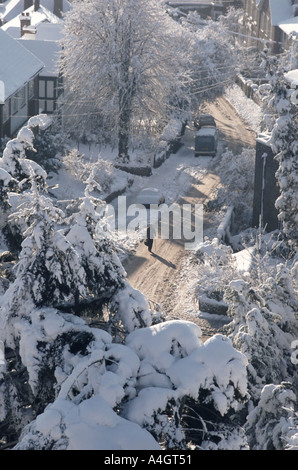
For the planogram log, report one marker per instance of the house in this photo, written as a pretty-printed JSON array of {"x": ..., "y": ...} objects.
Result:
[
  {"x": 19, "y": 83},
  {"x": 39, "y": 30},
  {"x": 10, "y": 9},
  {"x": 270, "y": 23},
  {"x": 43, "y": 42},
  {"x": 49, "y": 80},
  {"x": 205, "y": 8},
  {"x": 28, "y": 19}
]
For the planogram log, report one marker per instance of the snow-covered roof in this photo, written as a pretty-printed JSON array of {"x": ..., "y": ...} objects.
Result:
[
  {"x": 289, "y": 26},
  {"x": 280, "y": 10},
  {"x": 282, "y": 15},
  {"x": 18, "y": 65},
  {"x": 49, "y": 31},
  {"x": 12, "y": 8},
  {"x": 47, "y": 51}
]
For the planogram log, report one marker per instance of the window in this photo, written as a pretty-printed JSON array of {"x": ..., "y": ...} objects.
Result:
[
  {"x": 50, "y": 106},
  {"x": 42, "y": 89},
  {"x": 50, "y": 89},
  {"x": 46, "y": 89},
  {"x": 42, "y": 106},
  {"x": 6, "y": 111}
]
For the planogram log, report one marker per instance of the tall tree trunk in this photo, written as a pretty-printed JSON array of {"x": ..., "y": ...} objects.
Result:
[
  {"x": 123, "y": 136},
  {"x": 125, "y": 96}
]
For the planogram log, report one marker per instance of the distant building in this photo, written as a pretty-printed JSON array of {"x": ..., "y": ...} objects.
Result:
[
  {"x": 270, "y": 23},
  {"x": 205, "y": 8},
  {"x": 10, "y": 9},
  {"x": 39, "y": 30},
  {"x": 27, "y": 20},
  {"x": 43, "y": 42},
  {"x": 19, "y": 83}
]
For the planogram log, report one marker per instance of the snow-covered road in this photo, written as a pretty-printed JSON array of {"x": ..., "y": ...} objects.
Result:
[{"x": 165, "y": 276}]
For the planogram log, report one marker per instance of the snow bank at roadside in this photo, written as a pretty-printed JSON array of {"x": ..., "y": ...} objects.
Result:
[{"x": 250, "y": 111}]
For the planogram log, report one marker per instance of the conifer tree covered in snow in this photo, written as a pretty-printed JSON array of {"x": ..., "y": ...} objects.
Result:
[
  {"x": 16, "y": 163},
  {"x": 273, "y": 424},
  {"x": 121, "y": 75},
  {"x": 135, "y": 382},
  {"x": 17, "y": 173}
]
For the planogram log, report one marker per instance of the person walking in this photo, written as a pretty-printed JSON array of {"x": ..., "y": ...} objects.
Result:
[{"x": 149, "y": 238}]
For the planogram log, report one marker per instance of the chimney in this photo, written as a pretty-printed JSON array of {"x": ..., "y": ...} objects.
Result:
[
  {"x": 36, "y": 5},
  {"x": 58, "y": 8},
  {"x": 28, "y": 4},
  {"x": 25, "y": 20},
  {"x": 29, "y": 32}
]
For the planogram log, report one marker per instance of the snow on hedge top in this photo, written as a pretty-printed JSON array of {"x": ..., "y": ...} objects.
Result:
[{"x": 18, "y": 65}]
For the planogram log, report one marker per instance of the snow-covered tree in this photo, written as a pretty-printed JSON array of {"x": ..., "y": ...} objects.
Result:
[
  {"x": 7, "y": 183},
  {"x": 14, "y": 160},
  {"x": 121, "y": 67},
  {"x": 93, "y": 243},
  {"x": 130, "y": 396},
  {"x": 274, "y": 422},
  {"x": 284, "y": 138},
  {"x": 48, "y": 271},
  {"x": 214, "y": 59},
  {"x": 17, "y": 174},
  {"x": 264, "y": 325},
  {"x": 129, "y": 310}
]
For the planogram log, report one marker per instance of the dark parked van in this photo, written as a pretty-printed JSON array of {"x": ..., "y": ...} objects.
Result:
[
  {"x": 203, "y": 120},
  {"x": 206, "y": 141}
]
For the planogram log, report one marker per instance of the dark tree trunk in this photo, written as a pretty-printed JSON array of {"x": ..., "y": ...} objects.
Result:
[
  {"x": 123, "y": 137},
  {"x": 126, "y": 93}
]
